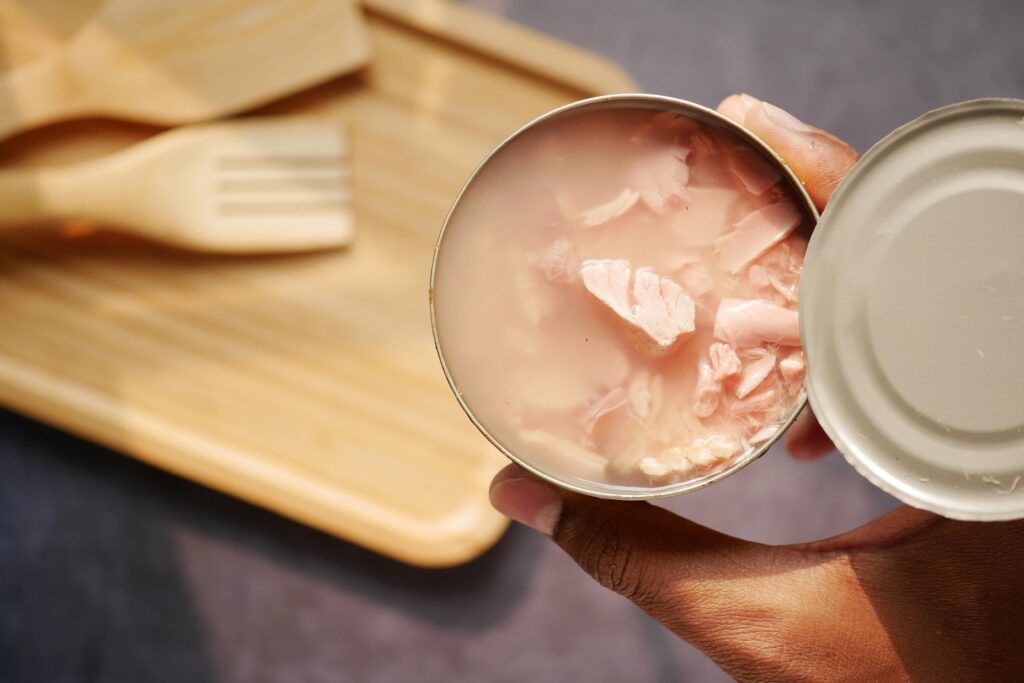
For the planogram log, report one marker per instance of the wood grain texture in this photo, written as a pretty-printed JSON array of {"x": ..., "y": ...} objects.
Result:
[
  {"x": 30, "y": 29},
  {"x": 178, "y": 62},
  {"x": 306, "y": 384}
]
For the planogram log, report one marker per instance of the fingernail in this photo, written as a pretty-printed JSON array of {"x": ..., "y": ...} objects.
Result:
[
  {"x": 783, "y": 118},
  {"x": 527, "y": 500},
  {"x": 748, "y": 101},
  {"x": 737, "y": 106}
]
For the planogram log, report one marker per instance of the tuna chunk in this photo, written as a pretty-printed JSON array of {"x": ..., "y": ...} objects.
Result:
[
  {"x": 662, "y": 308},
  {"x": 787, "y": 293},
  {"x": 676, "y": 460},
  {"x": 654, "y": 468},
  {"x": 756, "y": 174},
  {"x": 702, "y": 143},
  {"x": 697, "y": 279},
  {"x": 754, "y": 373},
  {"x": 755, "y": 234},
  {"x": 593, "y": 412},
  {"x": 710, "y": 453},
  {"x": 654, "y": 306},
  {"x": 793, "y": 368},
  {"x": 673, "y": 122},
  {"x": 701, "y": 456},
  {"x": 758, "y": 276},
  {"x": 557, "y": 263},
  {"x": 661, "y": 178},
  {"x": 707, "y": 393},
  {"x": 581, "y": 460},
  {"x": 745, "y": 323},
  {"x": 645, "y": 395},
  {"x": 705, "y": 217},
  {"x": 535, "y": 302},
  {"x": 761, "y": 402},
  {"x": 763, "y": 434},
  {"x": 796, "y": 250},
  {"x": 598, "y": 215},
  {"x": 609, "y": 281},
  {"x": 724, "y": 360}
]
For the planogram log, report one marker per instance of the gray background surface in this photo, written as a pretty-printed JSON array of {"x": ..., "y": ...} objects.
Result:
[{"x": 113, "y": 571}]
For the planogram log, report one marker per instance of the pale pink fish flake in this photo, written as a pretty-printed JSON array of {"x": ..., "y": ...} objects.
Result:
[
  {"x": 586, "y": 462},
  {"x": 758, "y": 276},
  {"x": 724, "y": 360},
  {"x": 755, "y": 372},
  {"x": 707, "y": 393},
  {"x": 712, "y": 452},
  {"x": 654, "y": 306},
  {"x": 758, "y": 403},
  {"x": 702, "y": 144},
  {"x": 556, "y": 263},
  {"x": 676, "y": 460},
  {"x": 793, "y": 368},
  {"x": 795, "y": 251},
  {"x": 787, "y": 293},
  {"x": 705, "y": 217},
  {"x": 697, "y": 457},
  {"x": 661, "y": 178},
  {"x": 763, "y": 434},
  {"x": 654, "y": 468},
  {"x": 758, "y": 232},
  {"x": 697, "y": 279},
  {"x": 746, "y": 323},
  {"x": 613, "y": 400},
  {"x": 673, "y": 122},
  {"x": 644, "y": 394},
  {"x": 756, "y": 174},
  {"x": 610, "y": 210}
]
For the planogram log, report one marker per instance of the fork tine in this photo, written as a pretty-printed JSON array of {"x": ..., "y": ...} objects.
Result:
[
  {"x": 278, "y": 162},
  {"x": 279, "y": 185},
  {"x": 289, "y": 208},
  {"x": 273, "y": 185}
]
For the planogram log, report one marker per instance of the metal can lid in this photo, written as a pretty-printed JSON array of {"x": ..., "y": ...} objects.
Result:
[{"x": 912, "y": 312}]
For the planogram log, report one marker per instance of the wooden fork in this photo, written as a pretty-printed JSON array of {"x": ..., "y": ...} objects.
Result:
[{"x": 254, "y": 185}]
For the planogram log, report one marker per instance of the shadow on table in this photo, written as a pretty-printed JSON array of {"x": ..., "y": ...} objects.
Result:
[{"x": 98, "y": 584}]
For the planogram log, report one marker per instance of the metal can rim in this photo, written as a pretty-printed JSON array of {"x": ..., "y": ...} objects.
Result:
[
  {"x": 870, "y": 468},
  {"x": 624, "y": 100}
]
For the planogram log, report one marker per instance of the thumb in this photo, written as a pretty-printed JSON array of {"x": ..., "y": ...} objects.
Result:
[
  {"x": 819, "y": 159},
  {"x": 704, "y": 585}
]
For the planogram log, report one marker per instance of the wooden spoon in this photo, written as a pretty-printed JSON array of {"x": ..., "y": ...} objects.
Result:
[{"x": 176, "y": 61}]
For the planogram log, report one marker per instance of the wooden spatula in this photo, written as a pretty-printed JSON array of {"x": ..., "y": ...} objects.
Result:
[
  {"x": 178, "y": 61},
  {"x": 247, "y": 186}
]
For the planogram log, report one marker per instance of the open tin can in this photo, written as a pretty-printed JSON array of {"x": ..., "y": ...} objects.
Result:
[{"x": 900, "y": 251}]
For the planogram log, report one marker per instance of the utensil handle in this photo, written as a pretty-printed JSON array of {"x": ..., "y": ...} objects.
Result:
[
  {"x": 36, "y": 93},
  {"x": 21, "y": 199}
]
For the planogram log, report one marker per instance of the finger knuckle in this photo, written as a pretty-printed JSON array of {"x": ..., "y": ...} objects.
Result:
[
  {"x": 610, "y": 554},
  {"x": 607, "y": 553}
]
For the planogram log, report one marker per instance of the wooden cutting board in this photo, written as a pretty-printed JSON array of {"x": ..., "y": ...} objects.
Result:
[{"x": 307, "y": 384}]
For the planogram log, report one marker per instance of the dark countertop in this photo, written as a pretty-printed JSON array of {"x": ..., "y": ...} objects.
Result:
[{"x": 113, "y": 571}]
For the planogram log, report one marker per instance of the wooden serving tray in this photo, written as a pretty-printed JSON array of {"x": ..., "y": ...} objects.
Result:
[{"x": 307, "y": 384}]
